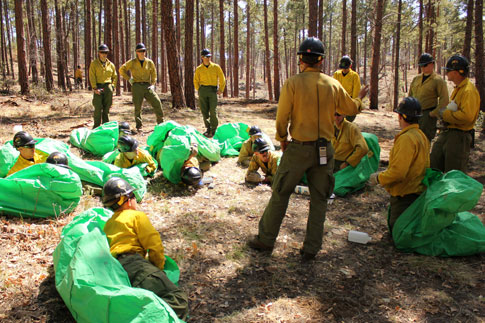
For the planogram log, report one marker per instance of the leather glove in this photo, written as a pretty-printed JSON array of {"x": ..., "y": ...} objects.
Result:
[
  {"x": 452, "y": 106},
  {"x": 374, "y": 179},
  {"x": 151, "y": 87},
  {"x": 131, "y": 81}
]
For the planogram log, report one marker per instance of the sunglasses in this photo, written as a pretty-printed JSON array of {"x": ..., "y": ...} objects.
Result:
[
  {"x": 28, "y": 146},
  {"x": 337, "y": 114}
]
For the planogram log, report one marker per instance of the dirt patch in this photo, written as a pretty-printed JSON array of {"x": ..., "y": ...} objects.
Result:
[{"x": 205, "y": 231}]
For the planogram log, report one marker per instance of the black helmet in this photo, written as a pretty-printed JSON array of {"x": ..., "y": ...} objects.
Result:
[
  {"x": 345, "y": 62},
  {"x": 458, "y": 63},
  {"x": 409, "y": 108},
  {"x": 255, "y": 131},
  {"x": 103, "y": 48},
  {"x": 140, "y": 46},
  {"x": 311, "y": 50},
  {"x": 425, "y": 59},
  {"x": 113, "y": 190},
  {"x": 124, "y": 127},
  {"x": 58, "y": 158},
  {"x": 205, "y": 52},
  {"x": 260, "y": 145},
  {"x": 191, "y": 176},
  {"x": 23, "y": 139},
  {"x": 127, "y": 144}
]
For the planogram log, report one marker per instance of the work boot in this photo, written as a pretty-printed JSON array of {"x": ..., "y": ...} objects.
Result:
[
  {"x": 207, "y": 133},
  {"x": 306, "y": 256},
  {"x": 256, "y": 244}
]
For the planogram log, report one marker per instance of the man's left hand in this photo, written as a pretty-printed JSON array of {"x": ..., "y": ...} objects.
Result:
[
  {"x": 374, "y": 179},
  {"x": 151, "y": 87},
  {"x": 219, "y": 92}
]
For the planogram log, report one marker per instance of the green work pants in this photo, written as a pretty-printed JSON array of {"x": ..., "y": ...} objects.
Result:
[
  {"x": 143, "y": 274},
  {"x": 451, "y": 150},
  {"x": 296, "y": 160},
  {"x": 208, "y": 107},
  {"x": 399, "y": 204},
  {"x": 141, "y": 91},
  {"x": 427, "y": 124},
  {"x": 102, "y": 103}
]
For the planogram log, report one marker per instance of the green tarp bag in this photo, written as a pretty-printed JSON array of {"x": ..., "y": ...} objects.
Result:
[
  {"x": 98, "y": 141},
  {"x": 40, "y": 191},
  {"x": 94, "y": 285},
  {"x": 95, "y": 172},
  {"x": 351, "y": 179},
  {"x": 157, "y": 140},
  {"x": 173, "y": 155},
  {"x": 437, "y": 223}
]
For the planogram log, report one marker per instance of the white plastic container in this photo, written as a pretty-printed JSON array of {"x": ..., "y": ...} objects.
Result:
[
  {"x": 359, "y": 237},
  {"x": 17, "y": 128},
  {"x": 300, "y": 189}
]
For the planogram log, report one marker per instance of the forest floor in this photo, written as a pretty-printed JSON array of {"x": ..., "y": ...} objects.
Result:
[{"x": 205, "y": 231}]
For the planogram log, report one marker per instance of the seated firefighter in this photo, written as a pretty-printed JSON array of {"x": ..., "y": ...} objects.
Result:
[
  {"x": 29, "y": 156},
  {"x": 408, "y": 160},
  {"x": 246, "y": 152},
  {"x": 265, "y": 159},
  {"x": 349, "y": 144},
  {"x": 191, "y": 173},
  {"x": 136, "y": 244},
  {"x": 59, "y": 159},
  {"x": 130, "y": 155}
]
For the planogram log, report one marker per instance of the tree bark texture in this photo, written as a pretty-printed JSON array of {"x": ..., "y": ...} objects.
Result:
[
  {"x": 479, "y": 54},
  {"x": 344, "y": 27},
  {"x": 9, "y": 37},
  {"x": 353, "y": 34},
  {"x": 276, "y": 64},
  {"x": 116, "y": 41},
  {"x": 312, "y": 17},
  {"x": 22, "y": 63},
  {"x": 267, "y": 63},
  {"x": 236, "y": 50},
  {"x": 46, "y": 44},
  {"x": 222, "y": 51},
  {"x": 248, "y": 47},
  {"x": 59, "y": 48},
  {"x": 32, "y": 43},
  {"x": 137, "y": 22},
  {"x": 396, "y": 58},
  {"x": 468, "y": 29},
  {"x": 188, "y": 56},
  {"x": 376, "y": 48},
  {"x": 108, "y": 28}
]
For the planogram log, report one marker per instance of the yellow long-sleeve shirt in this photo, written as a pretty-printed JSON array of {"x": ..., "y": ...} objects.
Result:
[
  {"x": 142, "y": 156},
  {"x": 140, "y": 74},
  {"x": 350, "y": 146},
  {"x": 467, "y": 98},
  {"x": 191, "y": 162},
  {"x": 209, "y": 76},
  {"x": 432, "y": 93},
  {"x": 102, "y": 74},
  {"x": 268, "y": 169},
  {"x": 78, "y": 73},
  {"x": 298, "y": 103},
  {"x": 131, "y": 231},
  {"x": 350, "y": 82},
  {"x": 246, "y": 152},
  {"x": 21, "y": 163},
  {"x": 408, "y": 160}
]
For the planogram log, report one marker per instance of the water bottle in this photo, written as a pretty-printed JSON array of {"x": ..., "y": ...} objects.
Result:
[
  {"x": 300, "y": 189},
  {"x": 359, "y": 237},
  {"x": 17, "y": 128}
]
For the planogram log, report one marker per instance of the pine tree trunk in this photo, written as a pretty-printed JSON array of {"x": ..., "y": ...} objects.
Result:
[
  {"x": 374, "y": 75},
  {"x": 87, "y": 42},
  {"x": 100, "y": 16},
  {"x": 197, "y": 29},
  {"x": 420, "y": 27},
  {"x": 22, "y": 63},
  {"x": 236, "y": 50},
  {"x": 32, "y": 43},
  {"x": 365, "y": 53},
  {"x": 94, "y": 44},
  {"x": 172, "y": 54},
  {"x": 353, "y": 33},
  {"x": 266, "y": 52},
  {"x": 9, "y": 37},
  {"x": 65, "y": 48},
  {"x": 121, "y": 42},
  {"x": 137, "y": 22},
  {"x": 344, "y": 27},
  {"x": 155, "y": 33},
  {"x": 330, "y": 44},
  {"x": 116, "y": 41},
  {"x": 75, "y": 34},
  {"x": 397, "y": 48},
  {"x": 163, "y": 59},
  {"x": 222, "y": 51},
  {"x": 127, "y": 41},
  {"x": 108, "y": 28},
  {"x": 320, "y": 19},
  {"x": 188, "y": 56},
  {"x": 312, "y": 17},
  {"x": 46, "y": 44},
  {"x": 3, "y": 44},
  {"x": 143, "y": 22},
  {"x": 59, "y": 48},
  {"x": 212, "y": 27},
  {"x": 202, "y": 30},
  {"x": 276, "y": 51},
  {"x": 229, "y": 63},
  {"x": 177, "y": 25},
  {"x": 248, "y": 52},
  {"x": 468, "y": 29},
  {"x": 479, "y": 54}
]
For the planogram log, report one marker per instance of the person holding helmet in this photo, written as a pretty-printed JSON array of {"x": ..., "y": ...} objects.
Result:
[
  {"x": 349, "y": 79},
  {"x": 432, "y": 93},
  {"x": 130, "y": 155},
  {"x": 135, "y": 243},
  {"x": 246, "y": 152},
  {"x": 207, "y": 76},
  {"x": 103, "y": 78},
  {"x": 452, "y": 148},
  {"x": 306, "y": 109},
  {"x": 59, "y": 159},
  {"x": 29, "y": 156},
  {"x": 349, "y": 144},
  {"x": 191, "y": 172},
  {"x": 143, "y": 79},
  {"x": 265, "y": 159},
  {"x": 408, "y": 160}
]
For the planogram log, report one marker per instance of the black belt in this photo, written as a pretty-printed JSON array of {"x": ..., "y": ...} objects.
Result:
[
  {"x": 211, "y": 86},
  {"x": 309, "y": 143},
  {"x": 142, "y": 83},
  {"x": 102, "y": 84}
]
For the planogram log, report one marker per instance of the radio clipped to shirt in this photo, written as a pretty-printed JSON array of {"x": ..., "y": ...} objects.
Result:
[{"x": 322, "y": 151}]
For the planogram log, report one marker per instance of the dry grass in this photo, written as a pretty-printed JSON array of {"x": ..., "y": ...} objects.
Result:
[{"x": 205, "y": 231}]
